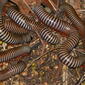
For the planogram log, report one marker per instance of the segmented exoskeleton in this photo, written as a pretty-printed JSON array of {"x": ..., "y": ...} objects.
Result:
[
  {"x": 10, "y": 37},
  {"x": 50, "y": 20},
  {"x": 13, "y": 27},
  {"x": 13, "y": 53},
  {"x": 73, "y": 16},
  {"x": 12, "y": 70},
  {"x": 65, "y": 49},
  {"x": 19, "y": 18},
  {"x": 48, "y": 36},
  {"x": 44, "y": 32}
]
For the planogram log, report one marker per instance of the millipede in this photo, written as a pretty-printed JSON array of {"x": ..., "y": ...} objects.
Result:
[
  {"x": 44, "y": 32},
  {"x": 73, "y": 16},
  {"x": 19, "y": 18},
  {"x": 12, "y": 70},
  {"x": 50, "y": 20},
  {"x": 10, "y": 37},
  {"x": 13, "y": 53},
  {"x": 66, "y": 48},
  {"x": 11, "y": 26},
  {"x": 24, "y": 21},
  {"x": 48, "y": 36}
]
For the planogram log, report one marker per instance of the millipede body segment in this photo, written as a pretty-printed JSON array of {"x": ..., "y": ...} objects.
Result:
[
  {"x": 44, "y": 32},
  {"x": 66, "y": 48},
  {"x": 11, "y": 26},
  {"x": 10, "y": 37},
  {"x": 13, "y": 53},
  {"x": 51, "y": 21},
  {"x": 74, "y": 18},
  {"x": 19, "y": 18},
  {"x": 48, "y": 36},
  {"x": 12, "y": 70}
]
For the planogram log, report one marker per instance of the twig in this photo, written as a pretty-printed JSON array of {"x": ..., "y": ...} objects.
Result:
[
  {"x": 77, "y": 72},
  {"x": 43, "y": 44},
  {"x": 40, "y": 57},
  {"x": 35, "y": 44},
  {"x": 52, "y": 4},
  {"x": 28, "y": 6}
]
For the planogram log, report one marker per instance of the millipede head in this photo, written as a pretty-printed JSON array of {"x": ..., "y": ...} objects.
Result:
[
  {"x": 11, "y": 4},
  {"x": 14, "y": 4}
]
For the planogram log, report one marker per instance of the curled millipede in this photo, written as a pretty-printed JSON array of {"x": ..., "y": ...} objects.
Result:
[
  {"x": 73, "y": 16},
  {"x": 10, "y": 37},
  {"x": 64, "y": 53},
  {"x": 13, "y": 27},
  {"x": 48, "y": 36},
  {"x": 19, "y": 18},
  {"x": 12, "y": 70},
  {"x": 50, "y": 20},
  {"x": 13, "y": 53}
]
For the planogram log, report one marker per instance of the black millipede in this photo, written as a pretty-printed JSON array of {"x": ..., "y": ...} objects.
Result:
[
  {"x": 13, "y": 53},
  {"x": 12, "y": 70},
  {"x": 11, "y": 26}
]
